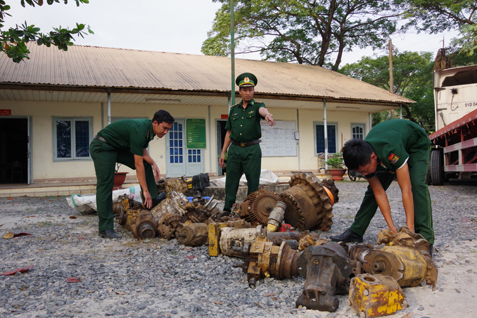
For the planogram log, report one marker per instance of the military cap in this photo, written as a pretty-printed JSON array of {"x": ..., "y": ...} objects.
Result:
[{"x": 246, "y": 80}]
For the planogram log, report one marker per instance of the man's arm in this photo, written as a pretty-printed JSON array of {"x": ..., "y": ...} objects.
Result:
[
  {"x": 382, "y": 200},
  {"x": 151, "y": 161},
  {"x": 141, "y": 176},
  {"x": 227, "y": 142},
  {"x": 266, "y": 114},
  {"x": 404, "y": 181}
]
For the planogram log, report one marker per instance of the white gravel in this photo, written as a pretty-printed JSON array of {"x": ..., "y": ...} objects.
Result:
[{"x": 160, "y": 278}]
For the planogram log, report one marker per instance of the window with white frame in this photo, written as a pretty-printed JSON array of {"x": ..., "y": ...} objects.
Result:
[
  {"x": 332, "y": 129},
  {"x": 357, "y": 131},
  {"x": 71, "y": 138}
]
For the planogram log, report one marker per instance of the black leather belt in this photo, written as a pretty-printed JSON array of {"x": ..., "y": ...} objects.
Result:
[
  {"x": 100, "y": 139},
  {"x": 246, "y": 144}
]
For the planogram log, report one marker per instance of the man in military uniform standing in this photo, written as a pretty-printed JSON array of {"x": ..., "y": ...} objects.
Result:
[
  {"x": 243, "y": 137},
  {"x": 126, "y": 142},
  {"x": 392, "y": 148}
]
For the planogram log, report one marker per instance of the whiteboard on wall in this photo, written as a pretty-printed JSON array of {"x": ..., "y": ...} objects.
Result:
[{"x": 279, "y": 140}]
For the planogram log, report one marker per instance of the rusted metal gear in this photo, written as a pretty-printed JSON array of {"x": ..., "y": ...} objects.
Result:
[
  {"x": 195, "y": 234},
  {"x": 309, "y": 202},
  {"x": 167, "y": 225},
  {"x": 257, "y": 206}
]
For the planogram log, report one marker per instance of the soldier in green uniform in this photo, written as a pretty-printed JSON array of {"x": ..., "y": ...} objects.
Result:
[
  {"x": 243, "y": 137},
  {"x": 125, "y": 142},
  {"x": 392, "y": 148}
]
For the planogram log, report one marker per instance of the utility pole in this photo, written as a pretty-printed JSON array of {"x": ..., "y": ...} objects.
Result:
[
  {"x": 232, "y": 53},
  {"x": 391, "y": 79}
]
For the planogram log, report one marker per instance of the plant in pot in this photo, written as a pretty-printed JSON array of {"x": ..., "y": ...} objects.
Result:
[
  {"x": 335, "y": 161},
  {"x": 119, "y": 177}
]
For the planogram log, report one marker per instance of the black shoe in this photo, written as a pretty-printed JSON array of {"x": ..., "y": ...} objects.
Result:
[
  {"x": 348, "y": 236},
  {"x": 157, "y": 200},
  {"x": 109, "y": 234}
]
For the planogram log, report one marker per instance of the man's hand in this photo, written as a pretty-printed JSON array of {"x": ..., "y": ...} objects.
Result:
[
  {"x": 157, "y": 173},
  {"x": 222, "y": 160},
  {"x": 147, "y": 199},
  {"x": 269, "y": 119}
]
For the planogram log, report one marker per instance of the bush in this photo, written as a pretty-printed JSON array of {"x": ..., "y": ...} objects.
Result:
[{"x": 335, "y": 161}]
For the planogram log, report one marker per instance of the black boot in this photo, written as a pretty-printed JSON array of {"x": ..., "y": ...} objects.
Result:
[
  {"x": 109, "y": 234},
  {"x": 348, "y": 237},
  {"x": 157, "y": 200}
]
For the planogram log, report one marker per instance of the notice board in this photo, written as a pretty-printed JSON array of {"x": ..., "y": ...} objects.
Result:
[
  {"x": 195, "y": 133},
  {"x": 279, "y": 140}
]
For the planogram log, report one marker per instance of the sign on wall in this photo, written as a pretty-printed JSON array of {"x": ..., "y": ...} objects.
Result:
[
  {"x": 279, "y": 140},
  {"x": 195, "y": 133}
]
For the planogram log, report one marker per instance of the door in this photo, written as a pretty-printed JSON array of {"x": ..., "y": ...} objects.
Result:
[
  {"x": 221, "y": 132},
  {"x": 180, "y": 160},
  {"x": 14, "y": 150}
]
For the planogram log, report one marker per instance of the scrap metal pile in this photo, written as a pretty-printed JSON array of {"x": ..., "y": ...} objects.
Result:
[{"x": 256, "y": 232}]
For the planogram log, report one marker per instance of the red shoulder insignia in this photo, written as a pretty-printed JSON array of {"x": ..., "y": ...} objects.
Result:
[{"x": 393, "y": 158}]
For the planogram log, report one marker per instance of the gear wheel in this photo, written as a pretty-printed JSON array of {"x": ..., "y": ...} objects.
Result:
[
  {"x": 167, "y": 225},
  {"x": 257, "y": 206},
  {"x": 310, "y": 202}
]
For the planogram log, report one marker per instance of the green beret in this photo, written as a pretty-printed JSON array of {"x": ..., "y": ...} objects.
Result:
[{"x": 246, "y": 80}]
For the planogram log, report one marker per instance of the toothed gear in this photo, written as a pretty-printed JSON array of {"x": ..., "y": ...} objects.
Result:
[
  {"x": 309, "y": 205},
  {"x": 165, "y": 225},
  {"x": 258, "y": 205}
]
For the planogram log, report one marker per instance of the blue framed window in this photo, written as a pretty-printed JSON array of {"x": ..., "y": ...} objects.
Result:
[
  {"x": 71, "y": 138},
  {"x": 320, "y": 138}
]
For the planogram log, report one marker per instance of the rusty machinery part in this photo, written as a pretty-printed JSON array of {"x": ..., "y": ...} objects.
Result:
[
  {"x": 238, "y": 224},
  {"x": 312, "y": 239},
  {"x": 276, "y": 217},
  {"x": 140, "y": 222},
  {"x": 167, "y": 225},
  {"x": 195, "y": 234},
  {"x": 257, "y": 206},
  {"x": 144, "y": 226},
  {"x": 328, "y": 270},
  {"x": 118, "y": 208},
  {"x": 403, "y": 237},
  {"x": 174, "y": 203},
  {"x": 278, "y": 237},
  {"x": 169, "y": 184},
  {"x": 308, "y": 204},
  {"x": 375, "y": 295},
  {"x": 236, "y": 242},
  {"x": 266, "y": 259},
  {"x": 407, "y": 265}
]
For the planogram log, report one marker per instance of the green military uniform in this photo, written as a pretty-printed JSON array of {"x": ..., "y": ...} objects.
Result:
[
  {"x": 119, "y": 142},
  {"x": 396, "y": 142},
  {"x": 245, "y": 127}
]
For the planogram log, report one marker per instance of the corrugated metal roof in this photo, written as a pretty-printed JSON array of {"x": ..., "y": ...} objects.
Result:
[{"x": 100, "y": 67}]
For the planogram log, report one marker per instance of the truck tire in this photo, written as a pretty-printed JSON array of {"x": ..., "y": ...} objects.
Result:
[{"x": 436, "y": 165}]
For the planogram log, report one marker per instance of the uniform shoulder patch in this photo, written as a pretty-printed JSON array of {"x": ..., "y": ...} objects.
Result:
[{"x": 393, "y": 158}]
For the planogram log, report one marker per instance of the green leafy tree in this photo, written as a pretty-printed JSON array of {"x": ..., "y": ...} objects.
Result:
[
  {"x": 435, "y": 16},
  {"x": 412, "y": 78},
  {"x": 302, "y": 31},
  {"x": 13, "y": 41}
]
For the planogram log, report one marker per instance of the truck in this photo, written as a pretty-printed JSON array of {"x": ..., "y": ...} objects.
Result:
[{"x": 454, "y": 143}]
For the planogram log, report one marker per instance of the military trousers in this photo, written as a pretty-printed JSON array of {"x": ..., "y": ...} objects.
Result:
[
  {"x": 105, "y": 158},
  {"x": 241, "y": 160},
  {"x": 418, "y": 164}
]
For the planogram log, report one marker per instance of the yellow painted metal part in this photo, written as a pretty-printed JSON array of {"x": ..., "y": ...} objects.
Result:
[
  {"x": 214, "y": 238},
  {"x": 415, "y": 264},
  {"x": 376, "y": 295}
]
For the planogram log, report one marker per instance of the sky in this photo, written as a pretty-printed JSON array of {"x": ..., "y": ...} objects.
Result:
[{"x": 178, "y": 26}]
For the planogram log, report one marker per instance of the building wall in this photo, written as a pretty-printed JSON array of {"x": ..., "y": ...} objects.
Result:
[{"x": 44, "y": 167}]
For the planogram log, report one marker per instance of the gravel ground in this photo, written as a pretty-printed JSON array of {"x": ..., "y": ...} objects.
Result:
[{"x": 160, "y": 278}]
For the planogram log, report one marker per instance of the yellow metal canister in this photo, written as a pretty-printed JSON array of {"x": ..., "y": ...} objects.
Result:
[
  {"x": 375, "y": 295},
  {"x": 214, "y": 238}
]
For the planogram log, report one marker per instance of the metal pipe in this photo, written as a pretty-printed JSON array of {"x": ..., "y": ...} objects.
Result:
[
  {"x": 109, "y": 106},
  {"x": 232, "y": 46},
  {"x": 326, "y": 132}
]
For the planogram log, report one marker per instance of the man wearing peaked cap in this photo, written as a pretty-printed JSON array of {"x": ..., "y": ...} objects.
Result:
[{"x": 243, "y": 137}]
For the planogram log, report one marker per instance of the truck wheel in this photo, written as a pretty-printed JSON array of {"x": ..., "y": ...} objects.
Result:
[{"x": 436, "y": 164}]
